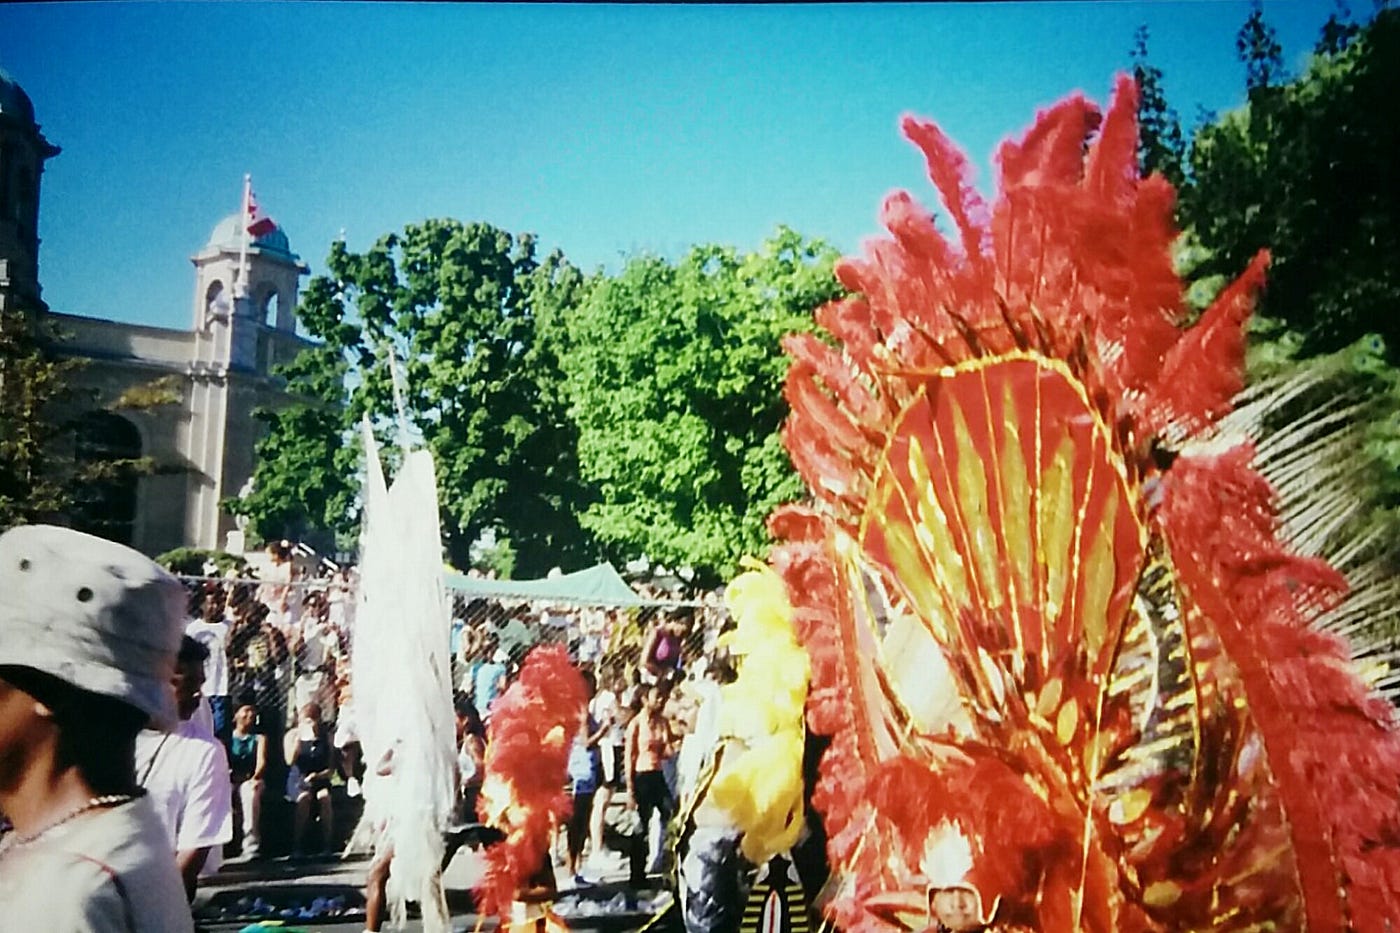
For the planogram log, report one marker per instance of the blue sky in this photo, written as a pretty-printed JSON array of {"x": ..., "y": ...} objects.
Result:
[{"x": 606, "y": 130}]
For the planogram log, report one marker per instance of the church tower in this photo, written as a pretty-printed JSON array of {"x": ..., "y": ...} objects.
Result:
[
  {"x": 23, "y": 152},
  {"x": 244, "y": 323}
]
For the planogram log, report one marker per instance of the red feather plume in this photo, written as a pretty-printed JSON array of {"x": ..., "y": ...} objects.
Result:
[{"x": 533, "y": 724}]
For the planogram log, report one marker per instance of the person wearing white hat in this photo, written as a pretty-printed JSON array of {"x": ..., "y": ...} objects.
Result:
[{"x": 88, "y": 635}]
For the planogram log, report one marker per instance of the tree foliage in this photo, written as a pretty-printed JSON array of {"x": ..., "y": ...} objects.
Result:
[
  {"x": 36, "y": 482},
  {"x": 305, "y": 480},
  {"x": 1161, "y": 143},
  {"x": 674, "y": 378},
  {"x": 463, "y": 307},
  {"x": 199, "y": 562},
  {"x": 1306, "y": 169},
  {"x": 1336, "y": 34},
  {"x": 1258, "y": 48}
]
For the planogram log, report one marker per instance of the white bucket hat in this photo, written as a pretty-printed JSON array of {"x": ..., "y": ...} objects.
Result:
[{"x": 92, "y": 613}]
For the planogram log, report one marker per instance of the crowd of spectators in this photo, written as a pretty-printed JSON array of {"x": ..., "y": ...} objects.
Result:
[
  {"x": 277, "y": 680},
  {"x": 281, "y": 701},
  {"x": 648, "y": 673}
]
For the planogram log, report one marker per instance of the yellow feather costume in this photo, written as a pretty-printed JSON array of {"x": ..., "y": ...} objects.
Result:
[{"x": 758, "y": 783}]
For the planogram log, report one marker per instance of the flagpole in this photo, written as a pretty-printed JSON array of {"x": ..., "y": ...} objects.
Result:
[
  {"x": 240, "y": 289},
  {"x": 398, "y": 397}
]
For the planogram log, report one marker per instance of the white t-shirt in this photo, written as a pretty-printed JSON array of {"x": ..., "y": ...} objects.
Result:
[
  {"x": 604, "y": 708},
  {"x": 315, "y": 686},
  {"x": 319, "y": 641},
  {"x": 214, "y": 636},
  {"x": 110, "y": 871},
  {"x": 186, "y": 774}
]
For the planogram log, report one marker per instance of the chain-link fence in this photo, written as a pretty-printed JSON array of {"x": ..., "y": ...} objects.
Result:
[
  {"x": 280, "y": 646},
  {"x": 652, "y": 640}
]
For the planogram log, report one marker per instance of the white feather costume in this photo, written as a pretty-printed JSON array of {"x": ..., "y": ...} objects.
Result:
[{"x": 402, "y": 676}]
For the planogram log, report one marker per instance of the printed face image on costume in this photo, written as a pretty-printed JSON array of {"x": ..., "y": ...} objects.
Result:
[{"x": 957, "y": 909}]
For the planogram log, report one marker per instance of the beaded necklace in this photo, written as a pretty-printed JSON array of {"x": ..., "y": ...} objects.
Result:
[{"x": 106, "y": 800}]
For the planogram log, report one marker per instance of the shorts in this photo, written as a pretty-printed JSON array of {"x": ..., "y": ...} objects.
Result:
[{"x": 614, "y": 774}]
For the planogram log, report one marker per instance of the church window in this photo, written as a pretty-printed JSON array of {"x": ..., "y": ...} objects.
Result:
[
  {"x": 106, "y": 448},
  {"x": 216, "y": 303},
  {"x": 269, "y": 309}
]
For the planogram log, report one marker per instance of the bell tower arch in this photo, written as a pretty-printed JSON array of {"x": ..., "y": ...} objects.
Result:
[{"x": 244, "y": 322}]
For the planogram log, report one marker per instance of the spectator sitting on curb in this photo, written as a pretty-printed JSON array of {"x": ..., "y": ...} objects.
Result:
[
  {"x": 247, "y": 765},
  {"x": 309, "y": 752}
]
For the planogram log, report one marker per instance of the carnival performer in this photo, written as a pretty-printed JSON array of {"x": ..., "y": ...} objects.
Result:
[
  {"x": 403, "y": 699},
  {"x": 955, "y": 910},
  {"x": 746, "y": 805},
  {"x": 524, "y": 793},
  {"x": 89, "y": 631},
  {"x": 1075, "y": 669}
]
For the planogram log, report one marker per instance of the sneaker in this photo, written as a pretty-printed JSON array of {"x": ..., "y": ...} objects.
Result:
[{"x": 352, "y": 787}]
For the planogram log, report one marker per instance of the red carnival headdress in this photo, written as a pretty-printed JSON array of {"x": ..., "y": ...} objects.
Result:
[{"x": 1044, "y": 621}]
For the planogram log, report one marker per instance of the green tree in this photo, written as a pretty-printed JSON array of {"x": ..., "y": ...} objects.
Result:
[
  {"x": 493, "y": 556},
  {"x": 1306, "y": 171},
  {"x": 36, "y": 481},
  {"x": 674, "y": 378},
  {"x": 1258, "y": 48},
  {"x": 457, "y": 304},
  {"x": 1337, "y": 32},
  {"x": 56, "y": 462},
  {"x": 1161, "y": 144}
]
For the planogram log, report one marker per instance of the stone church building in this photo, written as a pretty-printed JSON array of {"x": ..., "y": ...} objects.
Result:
[{"x": 183, "y": 398}]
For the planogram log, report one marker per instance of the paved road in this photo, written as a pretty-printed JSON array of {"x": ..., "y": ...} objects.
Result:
[{"x": 241, "y": 893}]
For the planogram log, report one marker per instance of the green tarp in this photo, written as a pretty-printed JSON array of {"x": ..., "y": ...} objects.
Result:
[{"x": 598, "y": 585}]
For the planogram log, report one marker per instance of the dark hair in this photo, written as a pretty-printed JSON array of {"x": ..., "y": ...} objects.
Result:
[
  {"x": 191, "y": 651},
  {"x": 466, "y": 709},
  {"x": 724, "y": 666}
]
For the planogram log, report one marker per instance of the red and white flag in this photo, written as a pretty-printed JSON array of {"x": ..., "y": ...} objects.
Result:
[{"x": 259, "y": 224}]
